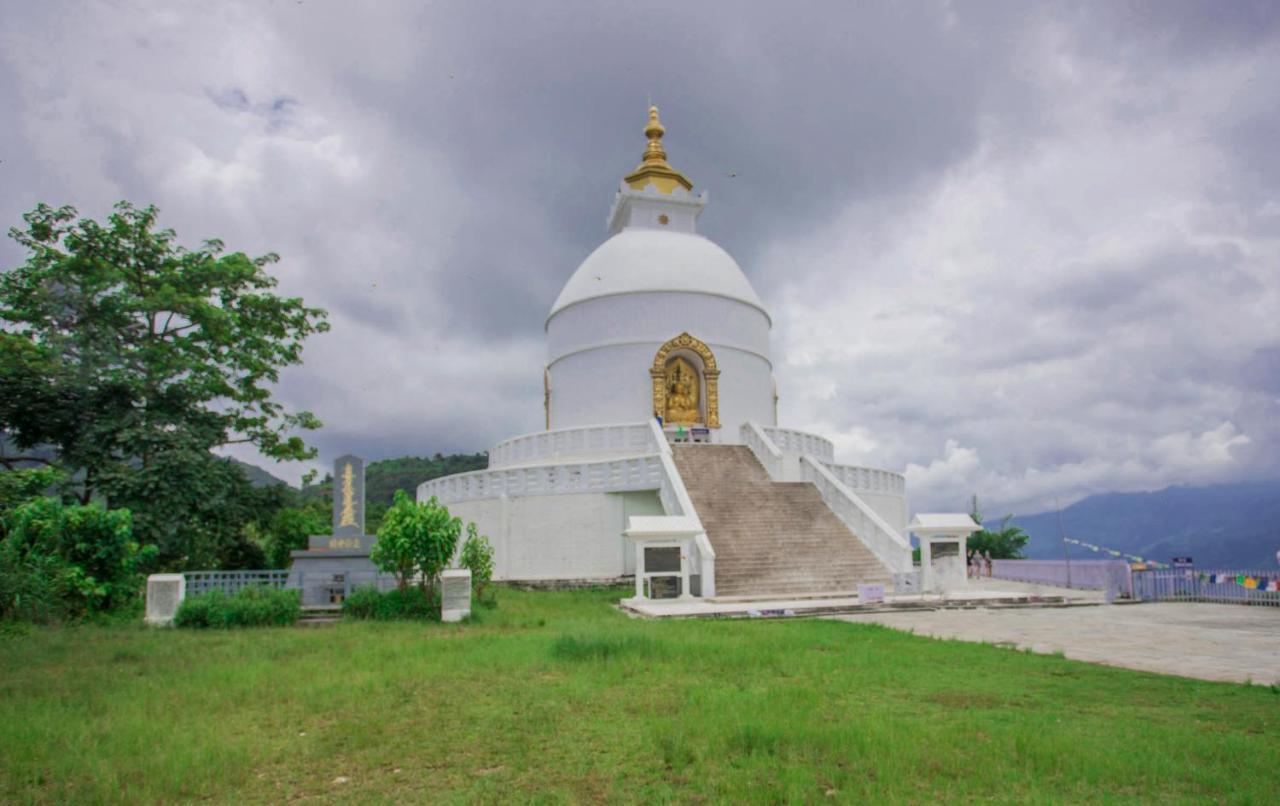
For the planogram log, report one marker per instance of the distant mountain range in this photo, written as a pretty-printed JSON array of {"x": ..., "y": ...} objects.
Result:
[{"x": 1223, "y": 525}]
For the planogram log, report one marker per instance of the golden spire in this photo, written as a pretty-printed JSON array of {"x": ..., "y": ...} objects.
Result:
[{"x": 653, "y": 169}]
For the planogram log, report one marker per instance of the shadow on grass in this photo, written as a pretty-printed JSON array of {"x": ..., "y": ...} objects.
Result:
[{"x": 601, "y": 647}]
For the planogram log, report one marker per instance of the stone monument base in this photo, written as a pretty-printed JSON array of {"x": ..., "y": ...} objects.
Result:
[{"x": 326, "y": 577}]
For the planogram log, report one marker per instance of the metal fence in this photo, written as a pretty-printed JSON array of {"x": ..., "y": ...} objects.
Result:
[
  {"x": 1222, "y": 586},
  {"x": 199, "y": 582},
  {"x": 318, "y": 589}
]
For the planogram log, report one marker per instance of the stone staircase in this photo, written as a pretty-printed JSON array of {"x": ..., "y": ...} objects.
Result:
[{"x": 770, "y": 537}]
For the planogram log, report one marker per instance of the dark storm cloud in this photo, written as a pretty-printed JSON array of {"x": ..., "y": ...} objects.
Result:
[{"x": 1019, "y": 247}]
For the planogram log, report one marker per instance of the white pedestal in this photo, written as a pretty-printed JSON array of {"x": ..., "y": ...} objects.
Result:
[
  {"x": 455, "y": 594},
  {"x": 164, "y": 593}
]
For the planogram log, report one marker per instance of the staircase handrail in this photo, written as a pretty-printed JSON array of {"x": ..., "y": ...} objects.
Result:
[
  {"x": 890, "y": 547},
  {"x": 790, "y": 440},
  {"x": 766, "y": 451},
  {"x": 676, "y": 501}
]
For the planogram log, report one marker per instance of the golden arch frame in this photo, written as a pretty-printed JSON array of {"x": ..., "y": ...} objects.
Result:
[{"x": 710, "y": 372}]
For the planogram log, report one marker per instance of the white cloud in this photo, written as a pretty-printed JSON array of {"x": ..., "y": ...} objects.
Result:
[
  {"x": 1026, "y": 255},
  {"x": 1065, "y": 313}
]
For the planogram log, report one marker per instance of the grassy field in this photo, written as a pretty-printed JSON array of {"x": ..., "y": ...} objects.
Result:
[{"x": 556, "y": 697}]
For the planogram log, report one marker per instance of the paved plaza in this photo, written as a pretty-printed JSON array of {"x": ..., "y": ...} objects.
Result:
[{"x": 1206, "y": 641}]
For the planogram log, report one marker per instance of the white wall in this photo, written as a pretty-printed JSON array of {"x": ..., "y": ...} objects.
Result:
[
  {"x": 601, "y": 351},
  {"x": 891, "y": 508},
  {"x": 577, "y": 536}
]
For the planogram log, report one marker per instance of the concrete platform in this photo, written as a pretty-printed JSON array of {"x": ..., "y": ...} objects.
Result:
[
  {"x": 828, "y": 604},
  {"x": 1223, "y": 642}
]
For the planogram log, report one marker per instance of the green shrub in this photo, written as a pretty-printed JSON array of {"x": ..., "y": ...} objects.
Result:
[
  {"x": 367, "y": 602},
  {"x": 362, "y": 603},
  {"x": 59, "y": 561},
  {"x": 256, "y": 606},
  {"x": 31, "y": 589},
  {"x": 477, "y": 556},
  {"x": 416, "y": 539}
]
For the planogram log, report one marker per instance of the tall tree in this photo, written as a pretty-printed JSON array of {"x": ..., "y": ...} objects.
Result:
[{"x": 133, "y": 357}]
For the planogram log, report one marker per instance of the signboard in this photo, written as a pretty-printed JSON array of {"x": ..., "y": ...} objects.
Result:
[
  {"x": 1183, "y": 562},
  {"x": 870, "y": 594}
]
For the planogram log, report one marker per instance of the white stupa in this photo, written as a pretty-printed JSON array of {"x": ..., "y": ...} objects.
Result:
[{"x": 662, "y": 433}]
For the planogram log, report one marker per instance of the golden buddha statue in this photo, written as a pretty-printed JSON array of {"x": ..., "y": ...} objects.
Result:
[{"x": 682, "y": 393}]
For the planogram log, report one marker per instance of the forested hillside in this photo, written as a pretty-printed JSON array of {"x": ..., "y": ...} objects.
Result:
[{"x": 382, "y": 478}]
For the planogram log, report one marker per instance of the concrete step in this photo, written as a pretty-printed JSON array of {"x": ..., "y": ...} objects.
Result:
[{"x": 770, "y": 537}]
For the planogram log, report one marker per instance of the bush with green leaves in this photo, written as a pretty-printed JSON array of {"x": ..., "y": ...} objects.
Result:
[
  {"x": 477, "y": 557},
  {"x": 369, "y": 603},
  {"x": 416, "y": 539},
  {"x": 60, "y": 561},
  {"x": 256, "y": 606}
]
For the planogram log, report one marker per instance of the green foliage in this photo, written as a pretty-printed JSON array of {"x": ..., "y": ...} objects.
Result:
[
  {"x": 19, "y": 486},
  {"x": 369, "y": 603},
  {"x": 416, "y": 539},
  {"x": 477, "y": 556},
  {"x": 288, "y": 531},
  {"x": 58, "y": 561},
  {"x": 256, "y": 606},
  {"x": 384, "y": 477},
  {"x": 196, "y": 509},
  {"x": 133, "y": 357},
  {"x": 1006, "y": 543}
]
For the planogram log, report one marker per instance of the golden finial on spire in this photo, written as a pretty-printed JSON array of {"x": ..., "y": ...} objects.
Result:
[{"x": 653, "y": 169}]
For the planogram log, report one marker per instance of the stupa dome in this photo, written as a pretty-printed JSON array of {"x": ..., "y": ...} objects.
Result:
[{"x": 651, "y": 260}]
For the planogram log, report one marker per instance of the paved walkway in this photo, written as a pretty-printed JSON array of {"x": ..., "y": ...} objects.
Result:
[{"x": 1205, "y": 641}]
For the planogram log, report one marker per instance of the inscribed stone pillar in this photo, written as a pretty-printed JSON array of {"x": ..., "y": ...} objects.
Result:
[{"x": 348, "y": 496}]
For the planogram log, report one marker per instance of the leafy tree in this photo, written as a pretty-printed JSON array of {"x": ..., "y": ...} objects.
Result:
[
  {"x": 416, "y": 539},
  {"x": 133, "y": 357},
  {"x": 477, "y": 556},
  {"x": 1006, "y": 543},
  {"x": 440, "y": 543},
  {"x": 395, "y": 551}
]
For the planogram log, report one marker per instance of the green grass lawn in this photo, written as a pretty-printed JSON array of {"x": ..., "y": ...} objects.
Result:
[{"x": 558, "y": 697}]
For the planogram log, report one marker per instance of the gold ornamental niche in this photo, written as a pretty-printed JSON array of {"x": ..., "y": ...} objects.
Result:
[{"x": 686, "y": 383}]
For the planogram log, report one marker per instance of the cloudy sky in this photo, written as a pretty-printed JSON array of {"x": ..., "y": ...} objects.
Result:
[{"x": 1027, "y": 251}]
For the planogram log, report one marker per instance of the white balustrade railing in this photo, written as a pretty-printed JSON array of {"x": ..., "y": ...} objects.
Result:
[
  {"x": 869, "y": 479},
  {"x": 767, "y": 453},
  {"x": 890, "y": 547},
  {"x": 791, "y": 441},
  {"x": 655, "y": 470},
  {"x": 677, "y": 503},
  {"x": 549, "y": 446},
  {"x": 606, "y": 476}
]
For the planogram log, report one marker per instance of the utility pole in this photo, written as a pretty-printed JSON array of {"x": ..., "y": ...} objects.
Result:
[{"x": 1066, "y": 555}]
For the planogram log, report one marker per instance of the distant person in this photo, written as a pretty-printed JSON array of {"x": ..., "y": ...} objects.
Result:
[
  {"x": 986, "y": 559},
  {"x": 972, "y": 566}
]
